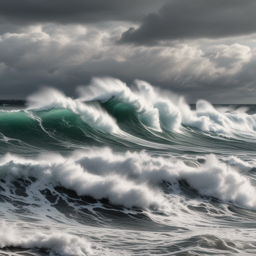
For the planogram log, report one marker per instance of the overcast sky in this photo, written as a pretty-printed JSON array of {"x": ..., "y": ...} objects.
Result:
[{"x": 197, "y": 48}]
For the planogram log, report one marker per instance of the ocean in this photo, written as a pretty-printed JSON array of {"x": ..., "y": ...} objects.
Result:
[{"x": 126, "y": 171}]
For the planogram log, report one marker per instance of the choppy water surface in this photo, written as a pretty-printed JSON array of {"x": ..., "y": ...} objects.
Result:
[{"x": 123, "y": 171}]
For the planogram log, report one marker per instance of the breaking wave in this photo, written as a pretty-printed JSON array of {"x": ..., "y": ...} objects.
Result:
[
  {"x": 134, "y": 179},
  {"x": 108, "y": 111},
  {"x": 154, "y": 108}
]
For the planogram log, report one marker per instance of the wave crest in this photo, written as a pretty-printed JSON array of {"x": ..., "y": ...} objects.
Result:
[{"x": 93, "y": 114}]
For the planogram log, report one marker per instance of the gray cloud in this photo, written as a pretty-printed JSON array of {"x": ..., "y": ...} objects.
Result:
[
  {"x": 75, "y": 11},
  {"x": 183, "y": 19},
  {"x": 67, "y": 56},
  {"x": 65, "y": 43}
]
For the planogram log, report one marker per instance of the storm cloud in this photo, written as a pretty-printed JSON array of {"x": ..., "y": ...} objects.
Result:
[
  {"x": 177, "y": 45},
  {"x": 183, "y": 19},
  {"x": 75, "y": 11}
]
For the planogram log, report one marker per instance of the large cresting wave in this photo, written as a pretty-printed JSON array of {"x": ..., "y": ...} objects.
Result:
[
  {"x": 109, "y": 106},
  {"x": 156, "y": 109}
]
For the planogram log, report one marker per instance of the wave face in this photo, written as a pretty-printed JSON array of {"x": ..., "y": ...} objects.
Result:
[{"x": 126, "y": 171}]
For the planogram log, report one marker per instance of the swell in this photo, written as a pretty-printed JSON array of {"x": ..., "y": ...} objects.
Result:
[
  {"x": 49, "y": 130},
  {"x": 60, "y": 129},
  {"x": 186, "y": 139},
  {"x": 110, "y": 113}
]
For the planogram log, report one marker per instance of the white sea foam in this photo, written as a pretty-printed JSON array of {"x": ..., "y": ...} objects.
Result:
[
  {"x": 93, "y": 115},
  {"x": 238, "y": 163},
  {"x": 208, "y": 119},
  {"x": 57, "y": 243},
  {"x": 214, "y": 178},
  {"x": 70, "y": 174},
  {"x": 132, "y": 179}
]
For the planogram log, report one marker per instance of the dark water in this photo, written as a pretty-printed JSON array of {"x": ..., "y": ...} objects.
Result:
[{"x": 120, "y": 172}]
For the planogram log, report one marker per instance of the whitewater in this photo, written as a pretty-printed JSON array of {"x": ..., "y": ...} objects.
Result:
[{"x": 126, "y": 170}]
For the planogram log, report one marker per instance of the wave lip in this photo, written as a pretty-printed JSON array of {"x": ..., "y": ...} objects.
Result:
[
  {"x": 92, "y": 114},
  {"x": 107, "y": 88},
  {"x": 153, "y": 110}
]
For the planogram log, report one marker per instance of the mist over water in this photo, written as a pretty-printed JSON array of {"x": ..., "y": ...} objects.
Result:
[{"x": 126, "y": 171}]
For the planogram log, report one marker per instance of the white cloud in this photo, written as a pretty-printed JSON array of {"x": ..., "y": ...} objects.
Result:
[{"x": 230, "y": 57}]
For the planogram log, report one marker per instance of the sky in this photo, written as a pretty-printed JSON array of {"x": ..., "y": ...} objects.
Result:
[{"x": 196, "y": 48}]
